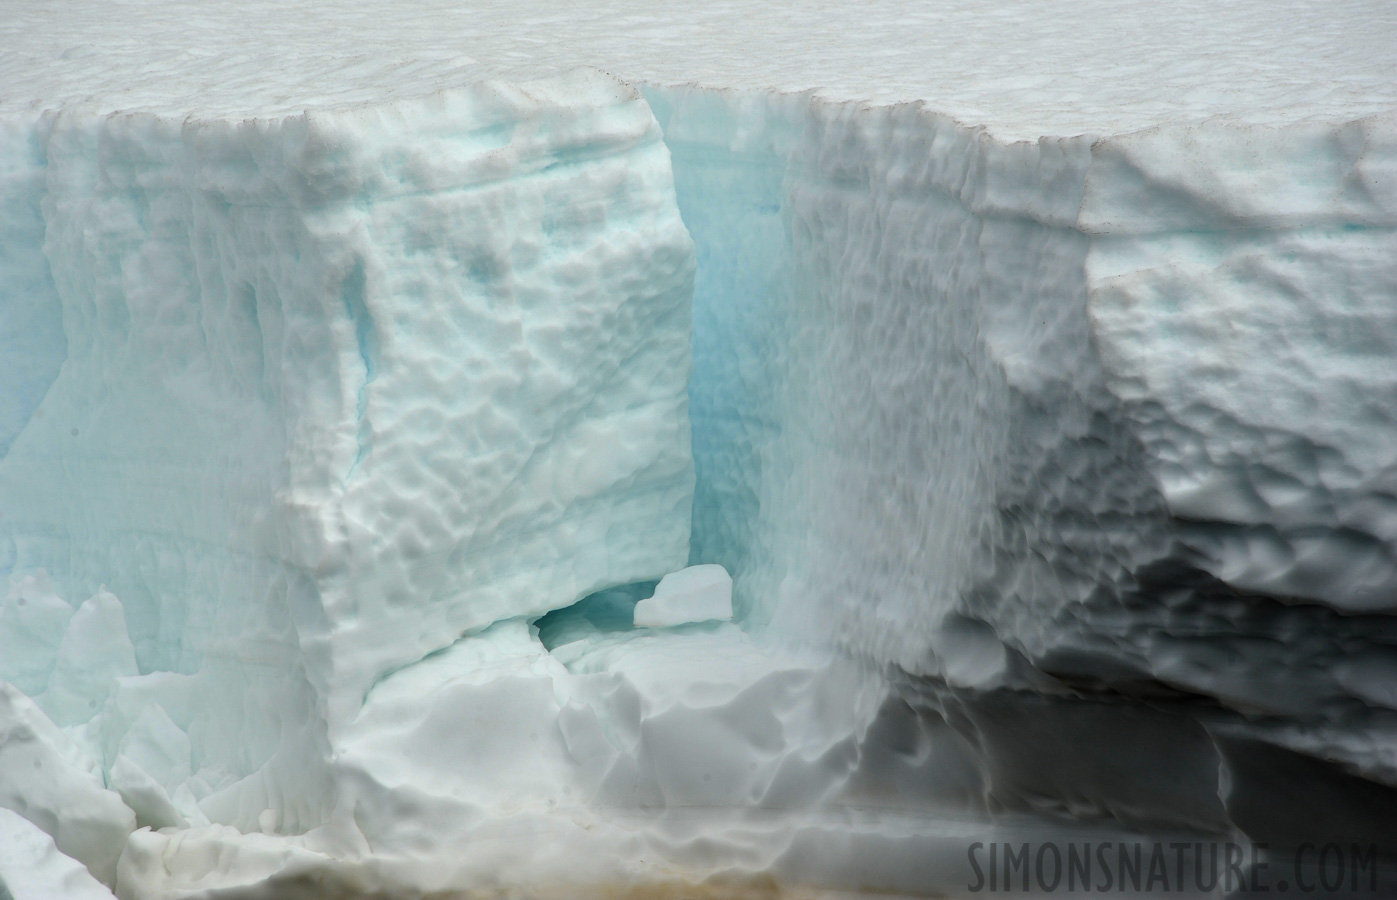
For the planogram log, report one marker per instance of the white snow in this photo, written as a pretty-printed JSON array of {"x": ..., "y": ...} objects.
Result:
[
  {"x": 957, "y": 376},
  {"x": 31, "y": 868},
  {"x": 696, "y": 594},
  {"x": 1022, "y": 68},
  {"x": 48, "y": 780}
]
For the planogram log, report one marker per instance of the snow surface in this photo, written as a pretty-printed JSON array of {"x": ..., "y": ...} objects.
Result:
[
  {"x": 1028, "y": 368},
  {"x": 1022, "y": 68},
  {"x": 49, "y": 780},
  {"x": 31, "y": 868}
]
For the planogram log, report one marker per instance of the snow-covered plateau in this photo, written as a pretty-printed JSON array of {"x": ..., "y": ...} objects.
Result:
[{"x": 630, "y": 449}]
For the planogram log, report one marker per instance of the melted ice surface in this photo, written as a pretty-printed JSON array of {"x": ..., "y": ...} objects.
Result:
[{"x": 1019, "y": 68}]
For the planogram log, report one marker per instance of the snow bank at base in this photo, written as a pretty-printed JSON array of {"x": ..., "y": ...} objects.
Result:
[{"x": 1053, "y": 478}]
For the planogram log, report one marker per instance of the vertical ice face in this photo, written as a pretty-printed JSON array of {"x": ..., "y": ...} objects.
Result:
[
  {"x": 862, "y": 318},
  {"x": 1273, "y": 434},
  {"x": 1075, "y": 414},
  {"x": 892, "y": 296},
  {"x": 341, "y": 387},
  {"x": 32, "y": 342}
]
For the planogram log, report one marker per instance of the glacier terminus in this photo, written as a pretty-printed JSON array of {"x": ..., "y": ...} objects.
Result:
[{"x": 710, "y": 450}]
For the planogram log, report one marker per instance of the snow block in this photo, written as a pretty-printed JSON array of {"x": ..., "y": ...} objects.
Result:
[{"x": 696, "y": 594}]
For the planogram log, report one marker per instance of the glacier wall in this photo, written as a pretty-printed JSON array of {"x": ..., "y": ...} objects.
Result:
[
  {"x": 1054, "y": 476},
  {"x": 1092, "y": 432}
]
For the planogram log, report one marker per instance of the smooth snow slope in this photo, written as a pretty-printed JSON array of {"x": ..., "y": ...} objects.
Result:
[{"x": 1034, "y": 362}]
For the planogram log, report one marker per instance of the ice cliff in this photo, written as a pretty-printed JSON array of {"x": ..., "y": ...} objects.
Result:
[{"x": 370, "y": 376}]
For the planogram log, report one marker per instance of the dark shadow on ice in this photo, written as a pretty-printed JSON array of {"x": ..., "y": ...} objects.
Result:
[{"x": 605, "y": 611}]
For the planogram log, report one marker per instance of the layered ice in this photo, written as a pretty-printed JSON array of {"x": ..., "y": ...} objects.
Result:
[{"x": 428, "y": 465}]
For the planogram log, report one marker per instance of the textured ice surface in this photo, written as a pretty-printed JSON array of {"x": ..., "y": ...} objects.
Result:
[
  {"x": 1029, "y": 368},
  {"x": 344, "y": 387}
]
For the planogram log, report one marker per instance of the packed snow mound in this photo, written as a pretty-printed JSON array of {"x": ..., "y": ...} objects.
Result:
[
  {"x": 31, "y": 868},
  {"x": 49, "y": 780},
  {"x": 430, "y": 463}
]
